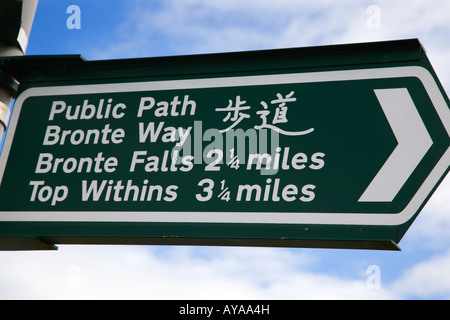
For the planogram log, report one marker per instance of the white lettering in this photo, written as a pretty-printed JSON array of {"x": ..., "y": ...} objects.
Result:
[
  {"x": 45, "y": 193},
  {"x": 88, "y": 111},
  {"x": 55, "y": 135},
  {"x": 162, "y": 110},
  {"x": 118, "y": 191},
  {"x": 47, "y": 163}
]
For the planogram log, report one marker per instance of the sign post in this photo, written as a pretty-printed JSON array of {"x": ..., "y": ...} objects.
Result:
[
  {"x": 332, "y": 147},
  {"x": 16, "y": 19}
]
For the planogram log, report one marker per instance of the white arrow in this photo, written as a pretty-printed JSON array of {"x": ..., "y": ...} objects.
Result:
[{"x": 413, "y": 140}]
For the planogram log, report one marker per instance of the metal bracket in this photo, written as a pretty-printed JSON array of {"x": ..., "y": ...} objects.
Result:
[
  {"x": 9, "y": 86},
  {"x": 4, "y": 115},
  {"x": 25, "y": 244}
]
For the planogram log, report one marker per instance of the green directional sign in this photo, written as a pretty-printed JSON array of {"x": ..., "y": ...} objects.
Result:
[{"x": 323, "y": 147}]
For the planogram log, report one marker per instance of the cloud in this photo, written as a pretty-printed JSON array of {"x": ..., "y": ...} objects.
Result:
[
  {"x": 173, "y": 273},
  {"x": 171, "y": 27},
  {"x": 427, "y": 279},
  {"x": 198, "y": 26},
  {"x": 431, "y": 227}
]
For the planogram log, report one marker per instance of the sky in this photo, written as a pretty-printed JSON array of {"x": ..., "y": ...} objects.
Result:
[{"x": 147, "y": 28}]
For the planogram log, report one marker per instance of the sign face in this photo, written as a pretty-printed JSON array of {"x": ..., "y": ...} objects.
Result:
[{"x": 346, "y": 149}]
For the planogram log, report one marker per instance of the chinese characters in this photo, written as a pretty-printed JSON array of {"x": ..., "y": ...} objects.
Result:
[{"x": 236, "y": 113}]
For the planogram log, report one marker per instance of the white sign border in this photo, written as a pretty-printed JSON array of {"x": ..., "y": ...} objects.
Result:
[{"x": 372, "y": 219}]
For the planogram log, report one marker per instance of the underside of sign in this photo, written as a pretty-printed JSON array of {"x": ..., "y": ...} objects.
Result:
[{"x": 325, "y": 147}]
